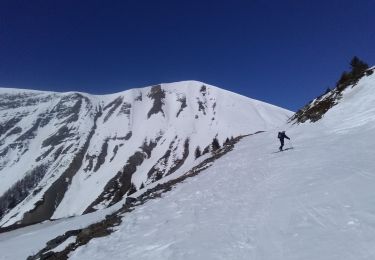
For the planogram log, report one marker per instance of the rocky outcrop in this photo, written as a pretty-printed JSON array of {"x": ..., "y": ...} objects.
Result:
[
  {"x": 45, "y": 208},
  {"x": 317, "y": 108},
  {"x": 157, "y": 94}
]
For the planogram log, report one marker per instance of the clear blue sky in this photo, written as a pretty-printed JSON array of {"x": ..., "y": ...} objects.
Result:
[{"x": 282, "y": 52}]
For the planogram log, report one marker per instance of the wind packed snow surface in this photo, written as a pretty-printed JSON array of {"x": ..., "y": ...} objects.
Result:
[{"x": 316, "y": 201}]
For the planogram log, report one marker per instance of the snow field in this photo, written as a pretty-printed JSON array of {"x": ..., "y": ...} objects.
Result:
[
  {"x": 306, "y": 203},
  {"x": 312, "y": 202},
  {"x": 315, "y": 201}
]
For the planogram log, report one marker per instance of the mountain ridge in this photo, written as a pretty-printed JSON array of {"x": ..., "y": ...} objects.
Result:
[{"x": 108, "y": 145}]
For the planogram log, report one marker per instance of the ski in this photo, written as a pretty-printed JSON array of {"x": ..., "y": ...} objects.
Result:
[{"x": 290, "y": 148}]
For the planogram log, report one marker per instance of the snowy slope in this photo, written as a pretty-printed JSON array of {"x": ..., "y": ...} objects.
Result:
[
  {"x": 308, "y": 203},
  {"x": 57, "y": 147},
  {"x": 315, "y": 201},
  {"x": 312, "y": 202}
]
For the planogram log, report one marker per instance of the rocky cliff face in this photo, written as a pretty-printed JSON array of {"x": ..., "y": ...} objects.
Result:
[
  {"x": 315, "y": 110},
  {"x": 65, "y": 154}
]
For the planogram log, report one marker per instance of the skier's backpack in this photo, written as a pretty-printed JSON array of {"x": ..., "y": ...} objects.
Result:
[{"x": 279, "y": 135}]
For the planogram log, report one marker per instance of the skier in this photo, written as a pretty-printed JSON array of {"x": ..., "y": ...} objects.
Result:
[{"x": 281, "y": 136}]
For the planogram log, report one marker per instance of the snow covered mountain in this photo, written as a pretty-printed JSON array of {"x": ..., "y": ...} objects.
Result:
[
  {"x": 245, "y": 200},
  {"x": 66, "y": 154}
]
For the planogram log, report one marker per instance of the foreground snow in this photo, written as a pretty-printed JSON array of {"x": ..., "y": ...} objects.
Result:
[
  {"x": 315, "y": 201},
  {"x": 312, "y": 202},
  {"x": 23, "y": 242}
]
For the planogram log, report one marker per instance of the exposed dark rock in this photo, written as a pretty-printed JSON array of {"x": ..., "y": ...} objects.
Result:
[
  {"x": 182, "y": 100},
  {"x": 201, "y": 106},
  {"x": 155, "y": 173},
  {"x": 114, "y": 102},
  {"x": 102, "y": 156},
  {"x": 23, "y": 152},
  {"x": 113, "y": 105},
  {"x": 55, "y": 193},
  {"x": 16, "y": 145},
  {"x": 37, "y": 190},
  {"x": 317, "y": 108},
  {"x": 158, "y": 95},
  {"x": 30, "y": 133},
  {"x": 115, "y": 149},
  {"x": 58, "y": 152},
  {"x": 14, "y": 131},
  {"x": 119, "y": 185},
  {"x": 315, "y": 111},
  {"x": 90, "y": 158},
  {"x": 46, "y": 118},
  {"x": 126, "y": 137},
  {"x": 132, "y": 189},
  {"x": 47, "y": 253},
  {"x": 129, "y": 201},
  {"x": 125, "y": 109},
  {"x": 4, "y": 127},
  {"x": 71, "y": 119},
  {"x": 45, "y": 154},
  {"x": 139, "y": 97},
  {"x": 147, "y": 147},
  {"x": 75, "y": 111},
  {"x": 83, "y": 236},
  {"x": 10, "y": 101},
  {"x": 179, "y": 162},
  {"x": 203, "y": 90},
  {"x": 64, "y": 109},
  {"x": 4, "y": 151},
  {"x": 22, "y": 188},
  {"x": 66, "y": 150},
  {"x": 60, "y": 136}
]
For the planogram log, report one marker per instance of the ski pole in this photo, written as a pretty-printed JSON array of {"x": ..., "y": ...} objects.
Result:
[{"x": 290, "y": 143}]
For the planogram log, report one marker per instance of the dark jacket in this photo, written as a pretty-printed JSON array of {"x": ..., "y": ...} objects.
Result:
[{"x": 282, "y": 135}]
